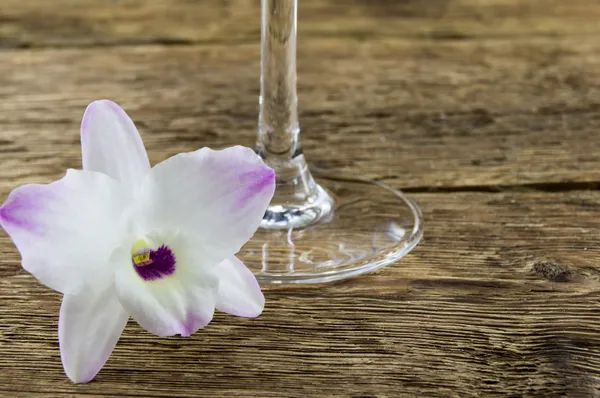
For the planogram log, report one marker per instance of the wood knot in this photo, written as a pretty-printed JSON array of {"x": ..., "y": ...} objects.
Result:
[{"x": 552, "y": 271}]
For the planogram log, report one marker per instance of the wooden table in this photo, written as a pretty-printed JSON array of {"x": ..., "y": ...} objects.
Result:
[{"x": 486, "y": 112}]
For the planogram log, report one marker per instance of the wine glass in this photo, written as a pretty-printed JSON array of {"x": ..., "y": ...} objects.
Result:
[{"x": 315, "y": 231}]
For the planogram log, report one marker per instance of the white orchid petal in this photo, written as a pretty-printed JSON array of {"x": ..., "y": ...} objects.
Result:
[
  {"x": 167, "y": 300},
  {"x": 239, "y": 292},
  {"x": 66, "y": 230},
  {"x": 89, "y": 327},
  {"x": 111, "y": 144},
  {"x": 219, "y": 197}
]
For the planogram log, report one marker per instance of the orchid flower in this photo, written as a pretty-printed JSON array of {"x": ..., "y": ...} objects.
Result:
[{"x": 121, "y": 239}]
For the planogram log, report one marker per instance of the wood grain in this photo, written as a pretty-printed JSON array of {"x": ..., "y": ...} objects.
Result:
[
  {"x": 501, "y": 298},
  {"x": 394, "y": 110},
  {"x": 35, "y": 23},
  {"x": 486, "y": 111}
]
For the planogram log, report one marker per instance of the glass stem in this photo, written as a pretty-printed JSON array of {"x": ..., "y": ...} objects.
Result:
[
  {"x": 278, "y": 121},
  {"x": 298, "y": 200}
]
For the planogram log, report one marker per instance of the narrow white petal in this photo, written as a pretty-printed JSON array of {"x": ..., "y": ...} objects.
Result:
[
  {"x": 239, "y": 293},
  {"x": 89, "y": 327},
  {"x": 218, "y": 197},
  {"x": 67, "y": 230},
  {"x": 111, "y": 144}
]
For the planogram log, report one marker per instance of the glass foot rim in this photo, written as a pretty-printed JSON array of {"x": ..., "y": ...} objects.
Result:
[{"x": 327, "y": 276}]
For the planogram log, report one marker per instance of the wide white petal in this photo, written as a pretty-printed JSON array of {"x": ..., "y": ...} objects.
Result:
[
  {"x": 179, "y": 303},
  {"x": 67, "y": 230},
  {"x": 218, "y": 197},
  {"x": 89, "y": 327},
  {"x": 239, "y": 293},
  {"x": 111, "y": 144}
]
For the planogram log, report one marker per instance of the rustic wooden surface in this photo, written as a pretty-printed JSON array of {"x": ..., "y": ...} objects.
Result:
[{"x": 487, "y": 112}]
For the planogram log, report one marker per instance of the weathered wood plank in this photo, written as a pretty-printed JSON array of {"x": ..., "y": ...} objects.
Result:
[
  {"x": 76, "y": 22},
  {"x": 507, "y": 237},
  {"x": 427, "y": 115},
  {"x": 458, "y": 349},
  {"x": 501, "y": 298}
]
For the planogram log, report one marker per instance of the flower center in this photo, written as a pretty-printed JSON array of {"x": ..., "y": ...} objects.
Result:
[{"x": 151, "y": 264}]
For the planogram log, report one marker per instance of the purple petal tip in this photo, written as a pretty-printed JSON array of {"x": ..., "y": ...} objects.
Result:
[
  {"x": 94, "y": 106},
  {"x": 14, "y": 211},
  {"x": 255, "y": 182},
  {"x": 188, "y": 326}
]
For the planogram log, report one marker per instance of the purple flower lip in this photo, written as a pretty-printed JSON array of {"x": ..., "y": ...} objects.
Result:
[{"x": 159, "y": 263}]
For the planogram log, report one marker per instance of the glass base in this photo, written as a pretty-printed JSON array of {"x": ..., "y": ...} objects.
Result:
[
  {"x": 317, "y": 209},
  {"x": 370, "y": 225}
]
